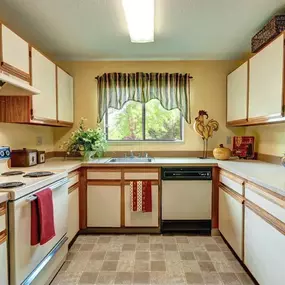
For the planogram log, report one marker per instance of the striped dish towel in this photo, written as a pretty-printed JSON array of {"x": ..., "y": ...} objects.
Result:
[{"x": 141, "y": 196}]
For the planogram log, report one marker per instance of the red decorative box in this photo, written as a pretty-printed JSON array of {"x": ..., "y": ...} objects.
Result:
[{"x": 243, "y": 147}]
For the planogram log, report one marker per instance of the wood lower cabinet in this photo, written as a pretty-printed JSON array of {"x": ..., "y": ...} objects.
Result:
[
  {"x": 237, "y": 92},
  {"x": 14, "y": 55},
  {"x": 3, "y": 245},
  {"x": 231, "y": 219},
  {"x": 264, "y": 248},
  {"x": 73, "y": 212},
  {"x": 104, "y": 205},
  {"x": 139, "y": 219}
]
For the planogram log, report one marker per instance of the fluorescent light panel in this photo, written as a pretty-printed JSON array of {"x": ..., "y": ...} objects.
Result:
[{"x": 140, "y": 19}]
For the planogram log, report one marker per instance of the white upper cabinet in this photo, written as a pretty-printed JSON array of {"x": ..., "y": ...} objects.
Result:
[
  {"x": 65, "y": 96},
  {"x": 44, "y": 79},
  {"x": 15, "y": 54},
  {"x": 266, "y": 82},
  {"x": 237, "y": 91}
]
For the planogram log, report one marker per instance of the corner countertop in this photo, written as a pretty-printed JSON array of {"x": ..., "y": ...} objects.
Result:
[
  {"x": 268, "y": 175},
  {"x": 4, "y": 196}
]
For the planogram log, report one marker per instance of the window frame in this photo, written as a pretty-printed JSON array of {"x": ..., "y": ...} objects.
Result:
[{"x": 143, "y": 130}]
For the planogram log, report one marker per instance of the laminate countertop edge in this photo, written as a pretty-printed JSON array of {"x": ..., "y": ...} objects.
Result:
[{"x": 267, "y": 175}]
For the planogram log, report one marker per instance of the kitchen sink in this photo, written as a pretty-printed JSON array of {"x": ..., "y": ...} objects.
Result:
[{"x": 130, "y": 160}]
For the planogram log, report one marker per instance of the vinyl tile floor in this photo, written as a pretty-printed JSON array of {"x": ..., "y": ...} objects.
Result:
[{"x": 151, "y": 259}]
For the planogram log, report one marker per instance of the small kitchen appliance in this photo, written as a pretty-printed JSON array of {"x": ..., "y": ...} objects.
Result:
[{"x": 24, "y": 157}]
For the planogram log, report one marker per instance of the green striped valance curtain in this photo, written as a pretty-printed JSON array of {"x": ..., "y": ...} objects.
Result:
[{"x": 171, "y": 89}]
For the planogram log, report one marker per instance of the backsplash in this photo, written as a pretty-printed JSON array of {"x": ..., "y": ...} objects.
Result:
[
  {"x": 18, "y": 136},
  {"x": 270, "y": 139}
]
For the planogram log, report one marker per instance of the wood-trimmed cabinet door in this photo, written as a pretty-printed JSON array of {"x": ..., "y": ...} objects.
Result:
[
  {"x": 266, "y": 76},
  {"x": 104, "y": 205},
  {"x": 264, "y": 249},
  {"x": 237, "y": 94},
  {"x": 139, "y": 219},
  {"x": 44, "y": 79},
  {"x": 73, "y": 212},
  {"x": 3, "y": 245},
  {"x": 231, "y": 219},
  {"x": 15, "y": 54},
  {"x": 65, "y": 96}
]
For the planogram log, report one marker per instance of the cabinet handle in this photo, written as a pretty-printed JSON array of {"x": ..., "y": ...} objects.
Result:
[{"x": 3, "y": 236}]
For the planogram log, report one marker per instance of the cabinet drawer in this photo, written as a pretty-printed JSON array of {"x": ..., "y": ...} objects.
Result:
[
  {"x": 232, "y": 181},
  {"x": 104, "y": 174},
  {"x": 141, "y": 174},
  {"x": 73, "y": 178},
  {"x": 272, "y": 203},
  {"x": 139, "y": 219}
]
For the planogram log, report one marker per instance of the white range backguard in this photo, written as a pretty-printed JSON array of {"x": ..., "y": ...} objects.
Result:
[{"x": 25, "y": 258}]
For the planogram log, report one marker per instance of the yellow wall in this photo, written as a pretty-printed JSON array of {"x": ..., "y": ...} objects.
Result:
[
  {"x": 269, "y": 139},
  {"x": 18, "y": 136},
  {"x": 208, "y": 91}
]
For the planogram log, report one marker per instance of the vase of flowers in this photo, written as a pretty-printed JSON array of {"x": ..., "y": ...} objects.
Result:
[{"x": 88, "y": 142}]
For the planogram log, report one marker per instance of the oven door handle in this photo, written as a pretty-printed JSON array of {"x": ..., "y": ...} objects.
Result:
[{"x": 52, "y": 187}]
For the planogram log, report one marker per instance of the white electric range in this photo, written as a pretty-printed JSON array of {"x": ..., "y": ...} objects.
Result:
[{"x": 34, "y": 264}]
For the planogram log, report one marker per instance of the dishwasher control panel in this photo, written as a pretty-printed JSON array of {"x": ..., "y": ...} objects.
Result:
[{"x": 186, "y": 173}]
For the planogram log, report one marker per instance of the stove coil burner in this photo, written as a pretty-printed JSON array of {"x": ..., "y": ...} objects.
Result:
[
  {"x": 11, "y": 185},
  {"x": 12, "y": 173},
  {"x": 38, "y": 174}
]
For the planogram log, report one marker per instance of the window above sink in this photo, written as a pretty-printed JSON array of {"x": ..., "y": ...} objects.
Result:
[{"x": 138, "y": 122}]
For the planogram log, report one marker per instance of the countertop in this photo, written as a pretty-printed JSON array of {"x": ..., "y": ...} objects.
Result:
[
  {"x": 4, "y": 196},
  {"x": 268, "y": 175}
]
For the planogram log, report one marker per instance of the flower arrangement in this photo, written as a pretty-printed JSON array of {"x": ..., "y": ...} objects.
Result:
[{"x": 89, "y": 142}]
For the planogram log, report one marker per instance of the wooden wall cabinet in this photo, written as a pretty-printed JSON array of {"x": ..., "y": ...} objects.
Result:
[
  {"x": 65, "y": 97},
  {"x": 256, "y": 91},
  {"x": 266, "y": 76},
  {"x": 14, "y": 54},
  {"x": 44, "y": 79},
  {"x": 237, "y": 90},
  {"x": 52, "y": 107}
]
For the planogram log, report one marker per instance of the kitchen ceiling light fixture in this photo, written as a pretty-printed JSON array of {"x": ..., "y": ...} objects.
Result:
[{"x": 139, "y": 15}]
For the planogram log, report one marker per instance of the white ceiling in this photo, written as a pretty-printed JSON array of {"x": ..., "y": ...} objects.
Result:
[{"x": 96, "y": 29}]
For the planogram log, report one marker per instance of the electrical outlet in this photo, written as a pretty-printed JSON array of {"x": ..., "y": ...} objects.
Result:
[
  {"x": 39, "y": 140},
  {"x": 229, "y": 140}
]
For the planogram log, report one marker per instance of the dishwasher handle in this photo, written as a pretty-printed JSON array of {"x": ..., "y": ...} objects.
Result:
[{"x": 187, "y": 173}]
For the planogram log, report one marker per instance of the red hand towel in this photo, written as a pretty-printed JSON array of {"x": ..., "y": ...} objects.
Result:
[
  {"x": 134, "y": 194},
  {"x": 146, "y": 196},
  {"x": 42, "y": 220}
]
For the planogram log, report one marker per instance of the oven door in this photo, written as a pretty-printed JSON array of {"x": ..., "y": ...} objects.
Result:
[{"x": 25, "y": 258}]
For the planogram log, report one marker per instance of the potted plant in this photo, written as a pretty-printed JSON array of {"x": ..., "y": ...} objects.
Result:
[{"x": 88, "y": 142}]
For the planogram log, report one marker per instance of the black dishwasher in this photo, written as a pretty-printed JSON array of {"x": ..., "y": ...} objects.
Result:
[{"x": 186, "y": 200}]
